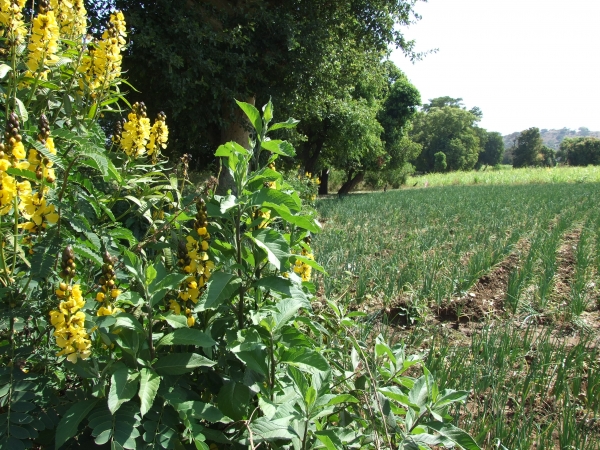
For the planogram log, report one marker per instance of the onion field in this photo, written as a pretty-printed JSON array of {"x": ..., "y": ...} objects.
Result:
[{"x": 497, "y": 284}]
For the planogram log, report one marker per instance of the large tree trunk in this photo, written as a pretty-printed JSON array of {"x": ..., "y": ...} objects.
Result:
[
  {"x": 351, "y": 182},
  {"x": 324, "y": 186},
  {"x": 237, "y": 130}
]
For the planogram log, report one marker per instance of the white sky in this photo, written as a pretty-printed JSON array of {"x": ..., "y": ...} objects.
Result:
[{"x": 525, "y": 63}]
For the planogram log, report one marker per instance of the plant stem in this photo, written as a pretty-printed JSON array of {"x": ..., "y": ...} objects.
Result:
[{"x": 238, "y": 243}]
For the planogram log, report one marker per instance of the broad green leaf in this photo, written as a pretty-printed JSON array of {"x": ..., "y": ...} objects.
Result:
[
  {"x": 305, "y": 222},
  {"x": 273, "y": 196},
  {"x": 288, "y": 308},
  {"x": 305, "y": 359},
  {"x": 255, "y": 359},
  {"x": 175, "y": 320},
  {"x": 229, "y": 149},
  {"x": 129, "y": 321},
  {"x": 253, "y": 115},
  {"x": 123, "y": 233},
  {"x": 187, "y": 336},
  {"x": 123, "y": 387},
  {"x": 221, "y": 287},
  {"x": 67, "y": 427},
  {"x": 315, "y": 265},
  {"x": 233, "y": 400},
  {"x": 456, "y": 435},
  {"x": 290, "y": 123},
  {"x": 149, "y": 382},
  {"x": 180, "y": 363},
  {"x": 330, "y": 439},
  {"x": 274, "y": 244},
  {"x": 342, "y": 398},
  {"x": 394, "y": 393},
  {"x": 278, "y": 147},
  {"x": 449, "y": 396},
  {"x": 264, "y": 429}
]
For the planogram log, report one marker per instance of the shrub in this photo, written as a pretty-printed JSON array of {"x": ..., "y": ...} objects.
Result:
[{"x": 141, "y": 313}]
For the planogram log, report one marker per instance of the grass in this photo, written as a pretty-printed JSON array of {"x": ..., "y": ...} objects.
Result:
[
  {"x": 497, "y": 282},
  {"x": 559, "y": 174}
]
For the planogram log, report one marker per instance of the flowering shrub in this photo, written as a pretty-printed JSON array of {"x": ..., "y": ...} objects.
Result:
[{"x": 136, "y": 315}]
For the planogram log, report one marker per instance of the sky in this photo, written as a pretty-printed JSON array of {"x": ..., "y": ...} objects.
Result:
[{"x": 524, "y": 63}]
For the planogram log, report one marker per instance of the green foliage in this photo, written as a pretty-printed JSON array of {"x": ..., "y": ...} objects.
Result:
[
  {"x": 493, "y": 149},
  {"x": 440, "y": 164},
  {"x": 580, "y": 151},
  {"x": 447, "y": 129},
  {"x": 182, "y": 318},
  {"x": 528, "y": 151}
]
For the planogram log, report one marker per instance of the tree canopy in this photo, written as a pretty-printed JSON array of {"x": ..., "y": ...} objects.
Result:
[
  {"x": 447, "y": 129},
  {"x": 192, "y": 59}
]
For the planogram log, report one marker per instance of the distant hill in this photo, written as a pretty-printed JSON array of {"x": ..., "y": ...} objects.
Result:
[{"x": 552, "y": 138}]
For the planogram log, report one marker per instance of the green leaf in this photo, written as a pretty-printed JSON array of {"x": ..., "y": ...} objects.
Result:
[
  {"x": 330, "y": 439},
  {"x": 180, "y": 363},
  {"x": 87, "y": 254},
  {"x": 230, "y": 148},
  {"x": 274, "y": 244},
  {"x": 187, "y": 336},
  {"x": 123, "y": 387},
  {"x": 233, "y": 400},
  {"x": 264, "y": 429},
  {"x": 221, "y": 287},
  {"x": 42, "y": 262},
  {"x": 22, "y": 111},
  {"x": 267, "y": 112},
  {"x": 149, "y": 383},
  {"x": 456, "y": 435},
  {"x": 255, "y": 359},
  {"x": 305, "y": 359},
  {"x": 28, "y": 174},
  {"x": 175, "y": 320},
  {"x": 305, "y": 222},
  {"x": 275, "y": 197},
  {"x": 283, "y": 148},
  {"x": 290, "y": 123},
  {"x": 288, "y": 308},
  {"x": 342, "y": 398},
  {"x": 67, "y": 427},
  {"x": 253, "y": 115}
]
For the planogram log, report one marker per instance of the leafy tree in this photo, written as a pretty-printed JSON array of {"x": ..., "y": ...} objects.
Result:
[
  {"x": 192, "y": 58},
  {"x": 528, "y": 151},
  {"x": 440, "y": 102},
  {"x": 440, "y": 162},
  {"x": 450, "y": 130},
  {"x": 493, "y": 149},
  {"x": 581, "y": 151}
]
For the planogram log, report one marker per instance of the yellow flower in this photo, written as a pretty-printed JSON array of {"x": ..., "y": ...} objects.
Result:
[
  {"x": 100, "y": 297},
  {"x": 174, "y": 306}
]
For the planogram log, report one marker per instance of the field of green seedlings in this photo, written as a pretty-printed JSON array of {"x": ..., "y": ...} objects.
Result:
[
  {"x": 497, "y": 284},
  {"x": 508, "y": 175}
]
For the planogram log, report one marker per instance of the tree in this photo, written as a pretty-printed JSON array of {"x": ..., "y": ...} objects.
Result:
[
  {"x": 493, "y": 149},
  {"x": 440, "y": 102},
  {"x": 440, "y": 164},
  {"x": 450, "y": 130},
  {"x": 581, "y": 151},
  {"x": 528, "y": 151},
  {"x": 193, "y": 58}
]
